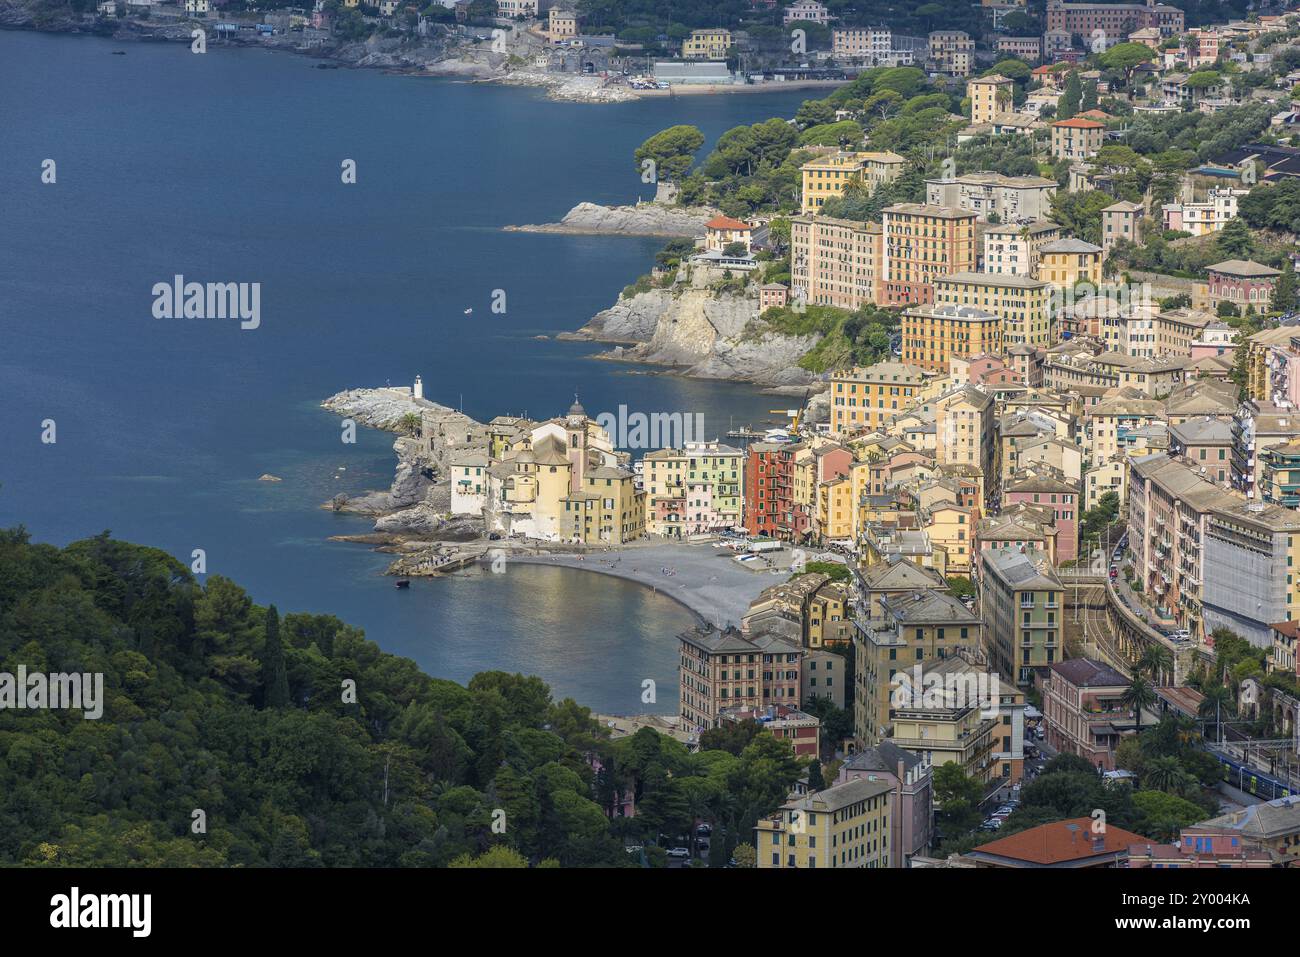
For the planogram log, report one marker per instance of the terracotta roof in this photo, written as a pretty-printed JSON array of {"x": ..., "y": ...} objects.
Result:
[
  {"x": 1061, "y": 843},
  {"x": 726, "y": 222},
  {"x": 1080, "y": 124}
]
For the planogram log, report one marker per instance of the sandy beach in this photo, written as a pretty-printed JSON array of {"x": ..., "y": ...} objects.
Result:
[{"x": 704, "y": 579}]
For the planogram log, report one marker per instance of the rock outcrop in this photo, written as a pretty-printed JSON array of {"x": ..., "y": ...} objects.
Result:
[
  {"x": 419, "y": 498},
  {"x": 643, "y": 219},
  {"x": 702, "y": 332}
]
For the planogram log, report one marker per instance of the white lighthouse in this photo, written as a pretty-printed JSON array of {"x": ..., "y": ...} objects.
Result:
[{"x": 417, "y": 390}]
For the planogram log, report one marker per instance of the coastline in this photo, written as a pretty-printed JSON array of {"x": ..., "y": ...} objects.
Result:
[
  {"x": 707, "y": 582},
  {"x": 566, "y": 87}
]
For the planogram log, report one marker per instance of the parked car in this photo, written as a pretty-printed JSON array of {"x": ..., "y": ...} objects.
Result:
[
  {"x": 678, "y": 852},
  {"x": 703, "y": 829},
  {"x": 1114, "y": 572}
]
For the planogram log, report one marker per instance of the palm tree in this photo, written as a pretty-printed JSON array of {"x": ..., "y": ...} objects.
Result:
[
  {"x": 1217, "y": 699},
  {"x": 410, "y": 423},
  {"x": 1138, "y": 695},
  {"x": 1155, "y": 661},
  {"x": 1166, "y": 774}
]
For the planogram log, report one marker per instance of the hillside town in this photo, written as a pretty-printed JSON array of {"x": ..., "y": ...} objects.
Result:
[
  {"x": 1010, "y": 580},
  {"x": 1048, "y": 531}
]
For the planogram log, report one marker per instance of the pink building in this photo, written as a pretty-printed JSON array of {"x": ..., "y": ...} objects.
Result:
[
  {"x": 1243, "y": 283},
  {"x": 772, "y": 294},
  {"x": 1062, "y": 497},
  {"x": 911, "y": 796},
  {"x": 1083, "y": 712}
]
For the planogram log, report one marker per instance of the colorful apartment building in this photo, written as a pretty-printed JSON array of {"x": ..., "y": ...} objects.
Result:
[
  {"x": 921, "y": 244},
  {"x": 770, "y": 509},
  {"x": 913, "y": 628},
  {"x": 1084, "y": 712},
  {"x": 933, "y": 336},
  {"x": 1059, "y": 494},
  {"x": 1113, "y": 19},
  {"x": 1076, "y": 139},
  {"x": 844, "y": 826},
  {"x": 1023, "y": 303},
  {"x": 911, "y": 797},
  {"x": 727, "y": 669},
  {"x": 826, "y": 177},
  {"x": 1022, "y": 601},
  {"x": 833, "y": 262},
  {"x": 863, "y": 399}
]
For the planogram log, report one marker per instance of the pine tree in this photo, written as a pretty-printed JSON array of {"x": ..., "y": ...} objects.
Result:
[
  {"x": 1235, "y": 239},
  {"x": 275, "y": 679}
]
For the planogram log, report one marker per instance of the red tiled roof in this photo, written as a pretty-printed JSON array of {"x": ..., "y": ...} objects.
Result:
[
  {"x": 726, "y": 222},
  {"x": 1080, "y": 124},
  {"x": 1057, "y": 843}
]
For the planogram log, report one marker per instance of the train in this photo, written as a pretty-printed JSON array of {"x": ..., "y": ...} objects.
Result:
[{"x": 1263, "y": 786}]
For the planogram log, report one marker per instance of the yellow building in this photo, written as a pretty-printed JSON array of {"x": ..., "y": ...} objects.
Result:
[
  {"x": 1024, "y": 304},
  {"x": 707, "y": 45},
  {"x": 1259, "y": 348},
  {"x": 827, "y": 176},
  {"x": 609, "y": 509},
  {"x": 932, "y": 335},
  {"x": 829, "y": 616},
  {"x": 952, "y": 527},
  {"x": 562, "y": 24},
  {"x": 952, "y": 723},
  {"x": 847, "y": 825},
  {"x": 864, "y": 398},
  {"x": 1077, "y": 138},
  {"x": 989, "y": 96},
  {"x": 1068, "y": 261},
  {"x": 913, "y": 628},
  {"x": 834, "y": 518}
]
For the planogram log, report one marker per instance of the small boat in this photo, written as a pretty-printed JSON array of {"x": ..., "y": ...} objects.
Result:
[
  {"x": 119, "y": 53},
  {"x": 403, "y": 583},
  {"x": 469, "y": 312}
]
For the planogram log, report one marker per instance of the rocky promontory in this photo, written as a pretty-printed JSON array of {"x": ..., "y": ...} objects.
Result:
[
  {"x": 643, "y": 219},
  {"x": 702, "y": 330}
]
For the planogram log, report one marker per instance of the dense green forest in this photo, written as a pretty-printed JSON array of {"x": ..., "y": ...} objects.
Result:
[{"x": 218, "y": 705}]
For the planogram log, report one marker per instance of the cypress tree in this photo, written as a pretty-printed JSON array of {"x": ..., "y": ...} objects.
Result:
[
  {"x": 1071, "y": 97},
  {"x": 275, "y": 678},
  {"x": 1284, "y": 293}
]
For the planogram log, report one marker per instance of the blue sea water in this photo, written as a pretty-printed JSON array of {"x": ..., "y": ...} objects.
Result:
[{"x": 226, "y": 167}]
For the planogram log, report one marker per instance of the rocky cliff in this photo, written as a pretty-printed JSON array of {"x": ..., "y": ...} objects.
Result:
[
  {"x": 643, "y": 219},
  {"x": 420, "y": 496},
  {"x": 702, "y": 331}
]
